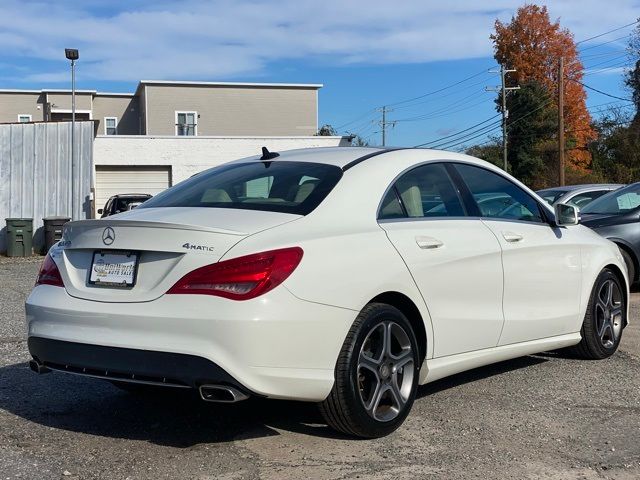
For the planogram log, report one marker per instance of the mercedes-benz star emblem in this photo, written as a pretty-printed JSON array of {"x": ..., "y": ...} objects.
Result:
[{"x": 108, "y": 236}]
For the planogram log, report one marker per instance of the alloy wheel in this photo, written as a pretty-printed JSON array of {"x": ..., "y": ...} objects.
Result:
[
  {"x": 385, "y": 371},
  {"x": 609, "y": 313}
]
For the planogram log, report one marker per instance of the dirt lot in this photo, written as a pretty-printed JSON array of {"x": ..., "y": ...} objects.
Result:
[{"x": 543, "y": 417}]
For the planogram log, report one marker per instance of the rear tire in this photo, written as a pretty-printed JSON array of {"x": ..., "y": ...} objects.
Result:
[
  {"x": 376, "y": 375},
  {"x": 605, "y": 318}
]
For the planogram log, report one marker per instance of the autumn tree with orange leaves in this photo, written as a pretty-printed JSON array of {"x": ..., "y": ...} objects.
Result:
[{"x": 533, "y": 45}]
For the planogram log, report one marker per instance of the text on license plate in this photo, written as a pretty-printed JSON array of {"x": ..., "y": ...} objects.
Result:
[{"x": 113, "y": 269}]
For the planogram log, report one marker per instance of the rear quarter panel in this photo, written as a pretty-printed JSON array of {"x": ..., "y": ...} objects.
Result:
[{"x": 340, "y": 268}]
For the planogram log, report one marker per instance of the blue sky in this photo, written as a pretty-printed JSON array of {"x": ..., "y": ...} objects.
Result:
[{"x": 367, "y": 53}]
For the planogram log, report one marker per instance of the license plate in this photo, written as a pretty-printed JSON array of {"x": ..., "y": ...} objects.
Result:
[{"x": 114, "y": 269}]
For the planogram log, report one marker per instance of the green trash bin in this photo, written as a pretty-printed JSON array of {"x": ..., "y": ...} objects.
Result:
[
  {"x": 19, "y": 237},
  {"x": 53, "y": 230}
]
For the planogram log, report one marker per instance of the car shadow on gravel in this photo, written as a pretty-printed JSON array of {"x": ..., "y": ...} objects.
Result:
[
  {"x": 175, "y": 418},
  {"x": 478, "y": 374}
]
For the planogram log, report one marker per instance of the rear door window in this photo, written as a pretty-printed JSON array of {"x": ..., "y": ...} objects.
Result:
[{"x": 423, "y": 192}]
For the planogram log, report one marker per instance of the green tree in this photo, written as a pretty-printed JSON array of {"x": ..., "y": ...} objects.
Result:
[
  {"x": 490, "y": 152},
  {"x": 358, "y": 141},
  {"x": 326, "y": 130},
  {"x": 616, "y": 152},
  {"x": 534, "y": 123},
  {"x": 632, "y": 77}
]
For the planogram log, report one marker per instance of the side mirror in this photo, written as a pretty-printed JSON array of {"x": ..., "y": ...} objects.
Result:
[
  {"x": 566, "y": 215},
  {"x": 99, "y": 211}
]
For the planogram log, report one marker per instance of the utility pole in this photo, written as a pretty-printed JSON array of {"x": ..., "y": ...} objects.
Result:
[
  {"x": 561, "y": 121},
  {"x": 505, "y": 113},
  {"x": 384, "y": 123}
]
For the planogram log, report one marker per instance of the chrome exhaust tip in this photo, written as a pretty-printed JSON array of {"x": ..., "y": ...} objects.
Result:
[{"x": 221, "y": 394}]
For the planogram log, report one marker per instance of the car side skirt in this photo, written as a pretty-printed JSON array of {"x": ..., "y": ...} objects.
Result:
[{"x": 437, "y": 368}]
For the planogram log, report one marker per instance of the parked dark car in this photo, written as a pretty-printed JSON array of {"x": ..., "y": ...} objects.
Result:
[
  {"x": 577, "y": 195},
  {"x": 122, "y": 203},
  {"x": 616, "y": 216}
]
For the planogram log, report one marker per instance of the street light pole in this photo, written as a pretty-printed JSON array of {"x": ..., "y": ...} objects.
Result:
[{"x": 72, "y": 54}]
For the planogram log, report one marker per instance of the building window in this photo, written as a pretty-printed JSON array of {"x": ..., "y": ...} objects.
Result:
[
  {"x": 23, "y": 118},
  {"x": 186, "y": 123},
  {"x": 110, "y": 125}
]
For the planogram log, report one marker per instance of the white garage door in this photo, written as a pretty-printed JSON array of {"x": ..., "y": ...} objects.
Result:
[{"x": 115, "y": 180}]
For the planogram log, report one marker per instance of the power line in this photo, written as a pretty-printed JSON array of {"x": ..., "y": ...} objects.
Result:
[
  {"x": 444, "y": 112},
  {"x": 438, "y": 143},
  {"x": 428, "y": 94},
  {"x": 600, "y": 91},
  {"x": 364, "y": 130},
  {"x": 448, "y": 109},
  {"x": 455, "y": 143},
  {"x": 522, "y": 117},
  {"x": 607, "y": 61},
  {"x": 440, "y": 97},
  {"x": 366, "y": 114},
  {"x": 606, "y": 69},
  {"x": 607, "y": 33},
  {"x": 533, "y": 134},
  {"x": 458, "y": 133},
  {"x": 403, "y": 102},
  {"x": 605, "y": 43},
  {"x": 442, "y": 108},
  {"x": 472, "y": 134},
  {"x": 362, "y": 125},
  {"x": 603, "y": 54}
]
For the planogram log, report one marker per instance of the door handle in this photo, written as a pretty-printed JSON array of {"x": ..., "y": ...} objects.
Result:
[
  {"x": 428, "y": 242},
  {"x": 512, "y": 237}
]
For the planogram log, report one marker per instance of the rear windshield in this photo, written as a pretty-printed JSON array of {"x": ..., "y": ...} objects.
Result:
[{"x": 286, "y": 187}]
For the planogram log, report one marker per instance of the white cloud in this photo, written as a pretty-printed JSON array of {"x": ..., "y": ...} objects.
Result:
[{"x": 224, "y": 39}]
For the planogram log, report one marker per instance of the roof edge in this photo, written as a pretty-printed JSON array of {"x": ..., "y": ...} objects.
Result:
[{"x": 232, "y": 84}]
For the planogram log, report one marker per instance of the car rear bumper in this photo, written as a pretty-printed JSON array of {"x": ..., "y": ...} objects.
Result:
[
  {"x": 129, "y": 365},
  {"x": 276, "y": 345}
]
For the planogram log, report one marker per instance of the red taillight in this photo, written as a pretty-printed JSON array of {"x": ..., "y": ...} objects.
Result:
[
  {"x": 49, "y": 273},
  {"x": 241, "y": 278}
]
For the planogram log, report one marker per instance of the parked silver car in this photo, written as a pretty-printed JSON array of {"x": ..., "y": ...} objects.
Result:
[{"x": 576, "y": 195}]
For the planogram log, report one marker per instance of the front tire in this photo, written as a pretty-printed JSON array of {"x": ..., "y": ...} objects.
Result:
[
  {"x": 376, "y": 375},
  {"x": 605, "y": 318}
]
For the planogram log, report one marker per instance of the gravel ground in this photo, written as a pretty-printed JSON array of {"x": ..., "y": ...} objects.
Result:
[{"x": 538, "y": 417}]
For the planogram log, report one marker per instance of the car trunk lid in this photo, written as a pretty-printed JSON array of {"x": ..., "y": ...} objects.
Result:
[{"x": 167, "y": 243}]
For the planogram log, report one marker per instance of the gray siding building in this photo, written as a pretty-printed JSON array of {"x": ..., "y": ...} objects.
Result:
[{"x": 164, "y": 108}]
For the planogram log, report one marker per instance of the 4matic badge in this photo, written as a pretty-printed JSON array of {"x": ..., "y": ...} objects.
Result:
[{"x": 200, "y": 248}]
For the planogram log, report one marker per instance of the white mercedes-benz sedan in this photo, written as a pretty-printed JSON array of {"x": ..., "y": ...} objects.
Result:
[{"x": 343, "y": 276}]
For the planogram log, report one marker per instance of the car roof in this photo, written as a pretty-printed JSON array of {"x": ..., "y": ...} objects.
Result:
[
  {"x": 345, "y": 157},
  {"x": 131, "y": 195},
  {"x": 338, "y": 156},
  {"x": 586, "y": 186}
]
